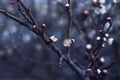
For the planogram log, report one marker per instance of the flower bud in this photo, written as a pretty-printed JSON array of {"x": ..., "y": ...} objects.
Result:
[
  {"x": 104, "y": 73},
  {"x": 101, "y": 60},
  {"x": 43, "y": 26},
  {"x": 90, "y": 73},
  {"x": 88, "y": 48},
  {"x": 109, "y": 19},
  {"x": 67, "y": 6}
]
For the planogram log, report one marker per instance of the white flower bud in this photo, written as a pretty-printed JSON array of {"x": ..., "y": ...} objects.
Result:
[
  {"x": 106, "y": 35},
  {"x": 104, "y": 39},
  {"x": 98, "y": 71},
  {"x": 88, "y": 46},
  {"x": 98, "y": 38},
  {"x": 67, "y": 5}
]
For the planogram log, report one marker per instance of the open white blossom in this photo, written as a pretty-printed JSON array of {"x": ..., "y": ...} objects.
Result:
[
  {"x": 101, "y": 10},
  {"x": 68, "y": 42},
  {"x": 53, "y": 38},
  {"x": 110, "y": 41}
]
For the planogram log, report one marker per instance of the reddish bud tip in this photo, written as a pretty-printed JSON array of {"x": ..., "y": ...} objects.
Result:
[{"x": 109, "y": 19}]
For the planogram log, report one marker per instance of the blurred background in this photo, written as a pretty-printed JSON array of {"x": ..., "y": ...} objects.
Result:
[{"x": 24, "y": 56}]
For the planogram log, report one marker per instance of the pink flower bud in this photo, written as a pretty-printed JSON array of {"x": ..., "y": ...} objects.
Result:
[
  {"x": 100, "y": 61},
  {"x": 67, "y": 5},
  {"x": 90, "y": 73},
  {"x": 104, "y": 73},
  {"x": 34, "y": 26},
  {"x": 43, "y": 26},
  {"x": 88, "y": 48}
]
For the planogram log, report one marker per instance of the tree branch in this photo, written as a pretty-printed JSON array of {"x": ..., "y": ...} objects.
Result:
[{"x": 45, "y": 38}]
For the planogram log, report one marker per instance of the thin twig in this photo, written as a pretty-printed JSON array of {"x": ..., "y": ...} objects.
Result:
[
  {"x": 24, "y": 15},
  {"x": 69, "y": 10}
]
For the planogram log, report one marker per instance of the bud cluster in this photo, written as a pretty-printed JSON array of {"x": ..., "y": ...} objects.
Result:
[
  {"x": 104, "y": 36},
  {"x": 97, "y": 72}
]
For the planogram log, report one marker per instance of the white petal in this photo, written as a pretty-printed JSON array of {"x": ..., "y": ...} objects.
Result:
[
  {"x": 53, "y": 38},
  {"x": 110, "y": 41}
]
